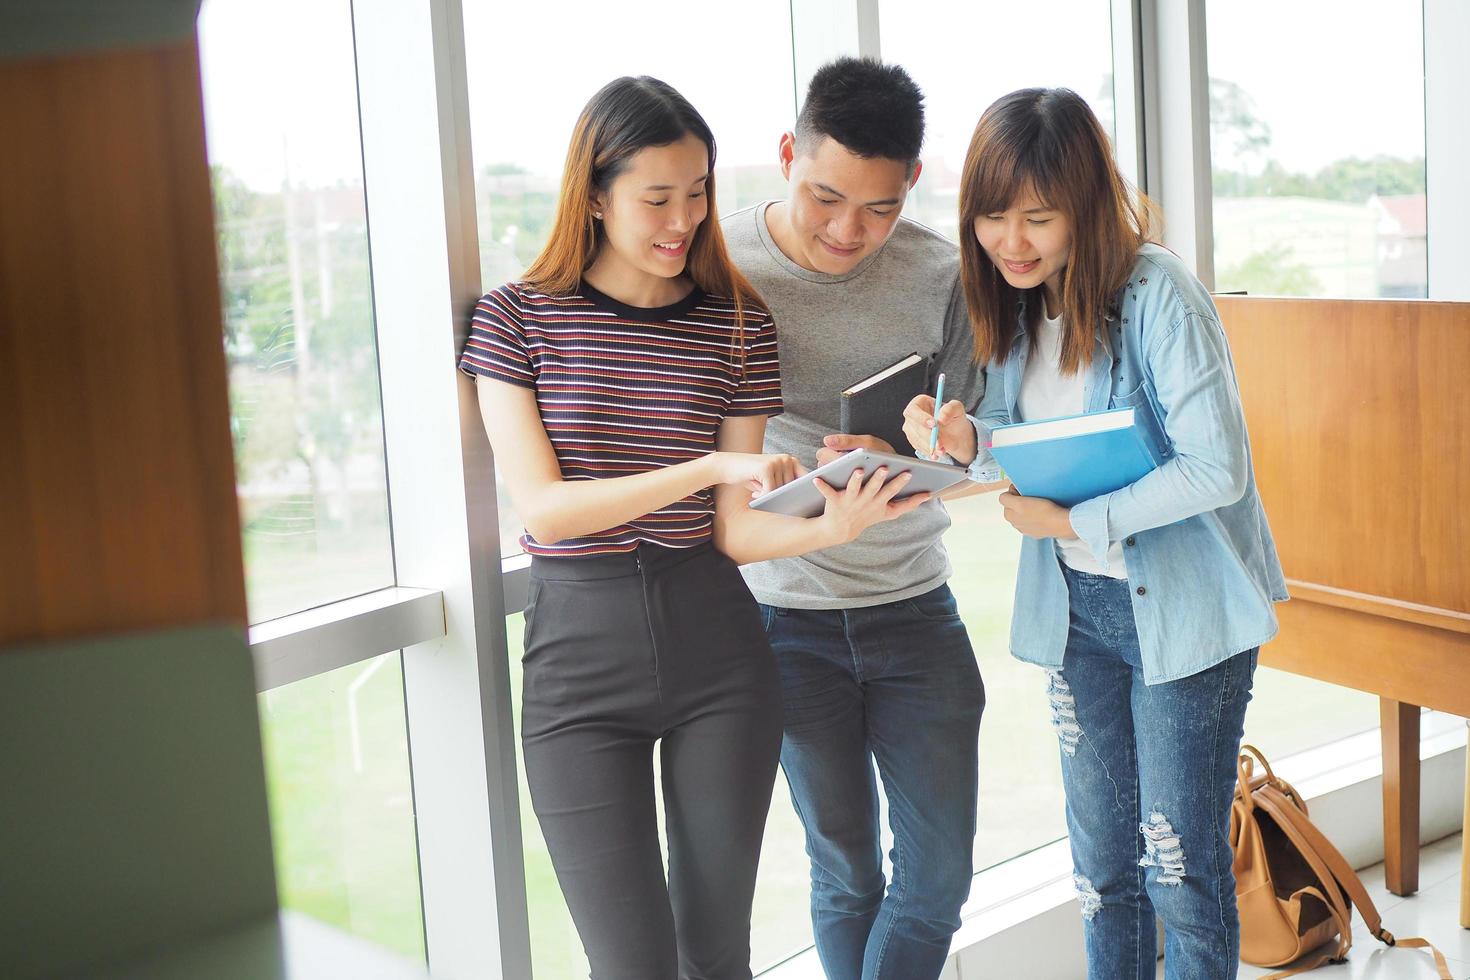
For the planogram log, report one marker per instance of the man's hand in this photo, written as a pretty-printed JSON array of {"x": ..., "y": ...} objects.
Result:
[
  {"x": 840, "y": 443},
  {"x": 1035, "y": 517}
]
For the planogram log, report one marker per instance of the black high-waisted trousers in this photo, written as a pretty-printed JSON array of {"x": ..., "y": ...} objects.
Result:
[{"x": 622, "y": 651}]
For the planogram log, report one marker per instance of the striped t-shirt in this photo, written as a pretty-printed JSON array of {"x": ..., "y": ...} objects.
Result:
[{"x": 626, "y": 389}]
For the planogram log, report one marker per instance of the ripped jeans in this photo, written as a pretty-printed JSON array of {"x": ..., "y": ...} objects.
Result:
[{"x": 1149, "y": 774}]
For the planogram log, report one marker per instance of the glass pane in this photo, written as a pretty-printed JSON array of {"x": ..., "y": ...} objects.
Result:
[
  {"x": 1290, "y": 713},
  {"x": 708, "y": 52},
  {"x": 556, "y": 951},
  {"x": 937, "y": 43},
  {"x": 780, "y": 922},
  {"x": 1021, "y": 801},
  {"x": 944, "y": 46},
  {"x": 1311, "y": 202},
  {"x": 280, "y": 94},
  {"x": 342, "y": 821},
  {"x": 1318, "y": 196}
]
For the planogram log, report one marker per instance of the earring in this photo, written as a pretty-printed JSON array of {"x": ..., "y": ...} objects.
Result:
[{"x": 597, "y": 215}]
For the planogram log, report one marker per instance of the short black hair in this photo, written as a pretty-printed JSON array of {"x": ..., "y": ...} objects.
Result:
[{"x": 872, "y": 109}]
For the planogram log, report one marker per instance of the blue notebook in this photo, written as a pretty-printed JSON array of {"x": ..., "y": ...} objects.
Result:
[{"x": 1072, "y": 459}]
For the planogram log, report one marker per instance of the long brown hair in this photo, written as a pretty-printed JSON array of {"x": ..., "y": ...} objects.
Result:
[
  {"x": 1048, "y": 142},
  {"x": 627, "y": 115}
]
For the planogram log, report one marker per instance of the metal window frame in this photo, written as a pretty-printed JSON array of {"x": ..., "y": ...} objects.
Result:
[
  {"x": 1128, "y": 132},
  {"x": 418, "y": 173},
  {"x": 1173, "y": 134},
  {"x": 1176, "y": 164},
  {"x": 1447, "y": 147},
  {"x": 825, "y": 29}
]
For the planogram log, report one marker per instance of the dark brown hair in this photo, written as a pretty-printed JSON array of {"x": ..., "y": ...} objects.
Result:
[
  {"x": 873, "y": 110},
  {"x": 1048, "y": 142},
  {"x": 627, "y": 115}
]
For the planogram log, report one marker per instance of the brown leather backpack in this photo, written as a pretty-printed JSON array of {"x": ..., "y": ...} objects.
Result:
[{"x": 1290, "y": 880}]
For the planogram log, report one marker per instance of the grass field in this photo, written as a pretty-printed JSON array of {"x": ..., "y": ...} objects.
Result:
[
  {"x": 342, "y": 810},
  {"x": 336, "y": 754}
]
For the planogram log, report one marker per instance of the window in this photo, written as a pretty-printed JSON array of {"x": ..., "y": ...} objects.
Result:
[
  {"x": 1314, "y": 195},
  {"x": 1311, "y": 201},
  {"x": 280, "y": 92},
  {"x": 286, "y": 161},
  {"x": 1290, "y": 713},
  {"x": 965, "y": 56},
  {"x": 981, "y": 53},
  {"x": 342, "y": 823}
]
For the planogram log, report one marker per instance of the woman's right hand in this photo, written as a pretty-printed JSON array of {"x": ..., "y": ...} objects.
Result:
[
  {"x": 865, "y": 502},
  {"x": 757, "y": 472},
  {"x": 956, "y": 433}
]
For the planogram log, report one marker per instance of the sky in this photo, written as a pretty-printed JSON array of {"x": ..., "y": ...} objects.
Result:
[
  {"x": 965, "y": 56},
  {"x": 280, "y": 90},
  {"x": 1332, "y": 79}
]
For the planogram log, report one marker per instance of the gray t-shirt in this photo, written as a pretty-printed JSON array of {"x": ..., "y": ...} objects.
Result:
[{"x": 834, "y": 331}]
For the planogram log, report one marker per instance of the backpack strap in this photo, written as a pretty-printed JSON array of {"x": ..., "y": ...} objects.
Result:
[
  {"x": 1248, "y": 780},
  {"x": 1292, "y": 823},
  {"x": 1323, "y": 856},
  {"x": 1415, "y": 942},
  {"x": 1321, "y": 847}
]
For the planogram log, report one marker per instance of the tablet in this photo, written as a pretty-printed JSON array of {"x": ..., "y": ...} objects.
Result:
[{"x": 800, "y": 498}]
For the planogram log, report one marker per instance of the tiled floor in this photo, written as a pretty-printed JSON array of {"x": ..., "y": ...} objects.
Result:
[{"x": 1433, "y": 913}]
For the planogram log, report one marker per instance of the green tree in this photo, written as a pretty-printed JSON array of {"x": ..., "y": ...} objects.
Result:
[
  {"x": 259, "y": 339},
  {"x": 1238, "y": 136},
  {"x": 296, "y": 292},
  {"x": 515, "y": 212},
  {"x": 1357, "y": 179},
  {"x": 1235, "y": 128},
  {"x": 1273, "y": 180},
  {"x": 1351, "y": 179}
]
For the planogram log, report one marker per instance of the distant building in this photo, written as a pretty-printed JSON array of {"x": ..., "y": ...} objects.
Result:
[{"x": 1403, "y": 252}]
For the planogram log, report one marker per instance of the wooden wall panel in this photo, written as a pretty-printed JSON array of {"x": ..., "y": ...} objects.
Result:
[
  {"x": 117, "y": 484},
  {"x": 1359, "y": 415}
]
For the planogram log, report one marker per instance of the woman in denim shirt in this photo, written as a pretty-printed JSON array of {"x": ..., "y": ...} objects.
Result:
[{"x": 1146, "y": 605}]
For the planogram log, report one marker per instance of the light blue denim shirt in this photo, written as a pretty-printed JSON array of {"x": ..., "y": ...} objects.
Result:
[{"x": 1202, "y": 568}]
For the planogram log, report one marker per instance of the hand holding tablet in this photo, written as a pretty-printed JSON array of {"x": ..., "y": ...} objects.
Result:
[{"x": 801, "y": 498}]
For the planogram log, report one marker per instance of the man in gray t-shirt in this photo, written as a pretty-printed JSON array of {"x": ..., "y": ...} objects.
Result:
[{"x": 875, "y": 662}]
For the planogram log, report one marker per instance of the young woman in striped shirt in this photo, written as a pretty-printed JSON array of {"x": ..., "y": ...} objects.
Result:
[{"x": 625, "y": 384}]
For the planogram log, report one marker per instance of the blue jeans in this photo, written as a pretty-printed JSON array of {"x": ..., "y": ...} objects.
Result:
[
  {"x": 896, "y": 683},
  {"x": 1149, "y": 774}
]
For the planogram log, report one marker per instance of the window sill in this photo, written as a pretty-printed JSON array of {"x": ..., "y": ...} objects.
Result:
[{"x": 313, "y": 642}]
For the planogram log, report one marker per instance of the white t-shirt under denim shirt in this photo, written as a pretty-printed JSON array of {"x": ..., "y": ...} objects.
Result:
[
  {"x": 1047, "y": 393},
  {"x": 1203, "y": 572}
]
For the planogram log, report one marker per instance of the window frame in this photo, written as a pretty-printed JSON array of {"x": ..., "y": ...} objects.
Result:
[
  {"x": 1447, "y": 148},
  {"x": 418, "y": 174}
]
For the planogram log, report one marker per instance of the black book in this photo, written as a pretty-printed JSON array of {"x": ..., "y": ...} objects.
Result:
[{"x": 874, "y": 406}]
